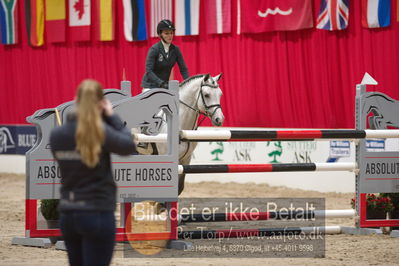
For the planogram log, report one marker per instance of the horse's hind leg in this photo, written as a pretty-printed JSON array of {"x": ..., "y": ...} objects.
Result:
[
  {"x": 185, "y": 160},
  {"x": 372, "y": 122},
  {"x": 181, "y": 183}
]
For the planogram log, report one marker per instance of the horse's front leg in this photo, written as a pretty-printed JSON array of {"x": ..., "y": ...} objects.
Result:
[
  {"x": 379, "y": 122},
  {"x": 185, "y": 158}
]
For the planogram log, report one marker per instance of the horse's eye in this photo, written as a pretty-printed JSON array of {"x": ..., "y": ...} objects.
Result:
[{"x": 206, "y": 95}]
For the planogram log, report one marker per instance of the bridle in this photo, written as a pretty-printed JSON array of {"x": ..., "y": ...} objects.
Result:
[
  {"x": 207, "y": 107},
  {"x": 198, "y": 112}
]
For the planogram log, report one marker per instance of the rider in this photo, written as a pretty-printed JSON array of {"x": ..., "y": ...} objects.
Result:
[{"x": 161, "y": 58}]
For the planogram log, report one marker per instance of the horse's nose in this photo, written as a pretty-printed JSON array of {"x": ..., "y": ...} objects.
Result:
[{"x": 218, "y": 121}]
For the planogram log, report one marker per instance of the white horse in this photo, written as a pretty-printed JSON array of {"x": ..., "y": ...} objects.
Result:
[{"x": 198, "y": 94}]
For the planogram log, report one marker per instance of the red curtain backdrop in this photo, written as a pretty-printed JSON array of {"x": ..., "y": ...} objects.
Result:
[{"x": 303, "y": 79}]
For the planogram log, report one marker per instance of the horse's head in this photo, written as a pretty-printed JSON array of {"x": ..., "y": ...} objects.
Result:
[{"x": 210, "y": 95}]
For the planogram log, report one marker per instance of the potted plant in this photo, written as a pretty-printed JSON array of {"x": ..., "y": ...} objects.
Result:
[
  {"x": 378, "y": 206},
  {"x": 49, "y": 210},
  {"x": 395, "y": 201}
]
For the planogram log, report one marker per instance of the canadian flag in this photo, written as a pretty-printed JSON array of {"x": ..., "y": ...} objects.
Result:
[{"x": 79, "y": 20}]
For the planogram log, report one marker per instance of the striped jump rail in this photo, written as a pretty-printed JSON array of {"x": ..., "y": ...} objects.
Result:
[
  {"x": 263, "y": 216},
  {"x": 238, "y": 233},
  {"x": 270, "y": 135},
  {"x": 261, "y": 168},
  {"x": 267, "y": 135}
]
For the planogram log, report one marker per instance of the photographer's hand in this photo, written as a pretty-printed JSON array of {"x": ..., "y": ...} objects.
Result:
[{"x": 107, "y": 107}]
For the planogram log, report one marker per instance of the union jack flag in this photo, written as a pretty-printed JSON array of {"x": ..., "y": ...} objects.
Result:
[{"x": 334, "y": 15}]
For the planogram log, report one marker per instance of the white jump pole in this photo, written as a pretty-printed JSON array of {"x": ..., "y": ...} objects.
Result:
[
  {"x": 327, "y": 230},
  {"x": 336, "y": 166},
  {"x": 318, "y": 214},
  {"x": 335, "y": 213}
]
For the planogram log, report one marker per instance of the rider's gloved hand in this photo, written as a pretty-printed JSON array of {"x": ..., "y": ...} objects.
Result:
[{"x": 164, "y": 85}]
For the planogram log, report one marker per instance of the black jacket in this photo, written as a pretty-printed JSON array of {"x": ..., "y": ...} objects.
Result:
[
  {"x": 85, "y": 188},
  {"x": 159, "y": 65}
]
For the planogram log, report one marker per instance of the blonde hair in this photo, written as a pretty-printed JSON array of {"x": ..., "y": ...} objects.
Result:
[{"x": 90, "y": 131}]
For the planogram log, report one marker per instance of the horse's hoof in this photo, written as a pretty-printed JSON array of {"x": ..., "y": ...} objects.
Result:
[
  {"x": 160, "y": 208},
  {"x": 142, "y": 145}
]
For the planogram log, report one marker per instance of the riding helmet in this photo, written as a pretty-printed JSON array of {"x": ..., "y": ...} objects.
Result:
[{"x": 165, "y": 24}]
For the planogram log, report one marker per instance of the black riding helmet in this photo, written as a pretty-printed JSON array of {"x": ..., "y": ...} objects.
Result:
[{"x": 165, "y": 24}]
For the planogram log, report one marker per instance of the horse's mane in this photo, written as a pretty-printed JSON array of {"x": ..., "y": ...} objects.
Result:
[{"x": 192, "y": 78}]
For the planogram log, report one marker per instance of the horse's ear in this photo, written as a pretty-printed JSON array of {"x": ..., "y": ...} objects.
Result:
[
  {"x": 218, "y": 77},
  {"x": 206, "y": 77}
]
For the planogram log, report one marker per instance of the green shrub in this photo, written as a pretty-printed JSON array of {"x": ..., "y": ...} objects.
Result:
[{"x": 48, "y": 208}]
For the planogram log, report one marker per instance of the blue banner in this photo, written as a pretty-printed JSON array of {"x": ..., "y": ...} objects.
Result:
[{"x": 17, "y": 139}]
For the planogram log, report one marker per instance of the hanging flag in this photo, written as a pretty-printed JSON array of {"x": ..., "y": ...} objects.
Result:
[
  {"x": 218, "y": 14},
  {"x": 397, "y": 11},
  {"x": 106, "y": 20},
  {"x": 376, "y": 13},
  {"x": 187, "y": 17},
  {"x": 333, "y": 15},
  {"x": 135, "y": 26},
  {"x": 8, "y": 21},
  {"x": 160, "y": 9},
  {"x": 274, "y": 15},
  {"x": 34, "y": 11},
  {"x": 55, "y": 20},
  {"x": 79, "y": 20}
]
